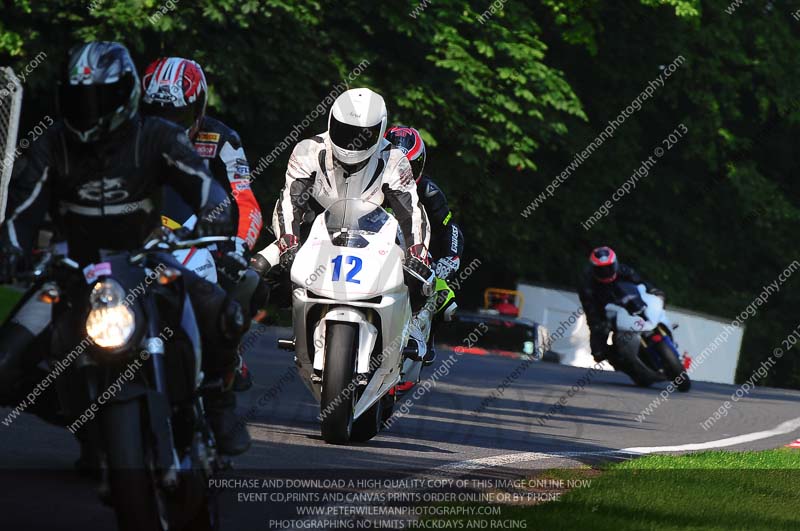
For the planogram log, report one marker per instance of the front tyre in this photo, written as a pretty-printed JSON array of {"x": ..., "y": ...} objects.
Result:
[
  {"x": 338, "y": 386},
  {"x": 133, "y": 493},
  {"x": 673, "y": 368}
]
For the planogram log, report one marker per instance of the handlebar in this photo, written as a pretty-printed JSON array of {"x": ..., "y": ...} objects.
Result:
[{"x": 168, "y": 241}]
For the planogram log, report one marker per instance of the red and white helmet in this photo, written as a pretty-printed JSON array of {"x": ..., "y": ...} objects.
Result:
[
  {"x": 175, "y": 88},
  {"x": 410, "y": 143},
  {"x": 604, "y": 264}
]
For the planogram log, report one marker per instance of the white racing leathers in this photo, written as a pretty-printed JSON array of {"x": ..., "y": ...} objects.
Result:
[{"x": 314, "y": 181}]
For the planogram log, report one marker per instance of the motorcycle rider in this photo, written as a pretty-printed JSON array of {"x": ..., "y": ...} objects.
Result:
[
  {"x": 596, "y": 290},
  {"x": 98, "y": 171},
  {"x": 447, "y": 240},
  {"x": 352, "y": 159},
  {"x": 175, "y": 88}
]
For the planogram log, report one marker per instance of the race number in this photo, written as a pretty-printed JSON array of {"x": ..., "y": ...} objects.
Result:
[{"x": 353, "y": 261}]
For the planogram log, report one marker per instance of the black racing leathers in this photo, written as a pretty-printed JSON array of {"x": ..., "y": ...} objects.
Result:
[
  {"x": 447, "y": 240},
  {"x": 105, "y": 196},
  {"x": 594, "y": 296}
]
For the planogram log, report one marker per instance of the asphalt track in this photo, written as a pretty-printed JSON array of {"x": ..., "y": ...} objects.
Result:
[{"x": 450, "y": 429}]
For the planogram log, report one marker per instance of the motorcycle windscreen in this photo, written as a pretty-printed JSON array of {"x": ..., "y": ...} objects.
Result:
[{"x": 348, "y": 222}]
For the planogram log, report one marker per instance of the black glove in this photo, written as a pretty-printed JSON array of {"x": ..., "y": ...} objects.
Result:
[
  {"x": 231, "y": 260},
  {"x": 260, "y": 265},
  {"x": 418, "y": 265},
  {"x": 10, "y": 258},
  {"x": 215, "y": 221},
  {"x": 288, "y": 245},
  {"x": 635, "y": 306}
]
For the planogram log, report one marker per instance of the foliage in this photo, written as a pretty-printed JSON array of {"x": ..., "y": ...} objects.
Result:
[{"x": 506, "y": 93}]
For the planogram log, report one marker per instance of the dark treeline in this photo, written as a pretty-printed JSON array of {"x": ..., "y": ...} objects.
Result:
[{"x": 507, "y": 95}]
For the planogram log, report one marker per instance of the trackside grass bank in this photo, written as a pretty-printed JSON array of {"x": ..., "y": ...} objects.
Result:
[{"x": 709, "y": 491}]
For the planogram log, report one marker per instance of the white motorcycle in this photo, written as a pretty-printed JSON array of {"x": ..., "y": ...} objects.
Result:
[
  {"x": 351, "y": 316},
  {"x": 643, "y": 346}
]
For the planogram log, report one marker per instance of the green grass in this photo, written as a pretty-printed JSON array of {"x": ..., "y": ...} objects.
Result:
[
  {"x": 710, "y": 491},
  {"x": 8, "y": 298}
]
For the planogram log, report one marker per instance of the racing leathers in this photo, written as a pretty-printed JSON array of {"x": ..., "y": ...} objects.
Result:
[
  {"x": 105, "y": 196},
  {"x": 447, "y": 240},
  {"x": 314, "y": 181},
  {"x": 223, "y": 154},
  {"x": 595, "y": 295}
]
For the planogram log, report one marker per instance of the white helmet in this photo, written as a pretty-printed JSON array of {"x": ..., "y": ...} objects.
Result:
[{"x": 356, "y": 125}]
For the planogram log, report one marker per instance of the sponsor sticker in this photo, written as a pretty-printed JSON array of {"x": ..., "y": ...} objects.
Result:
[
  {"x": 205, "y": 150},
  {"x": 207, "y": 137},
  {"x": 94, "y": 271}
]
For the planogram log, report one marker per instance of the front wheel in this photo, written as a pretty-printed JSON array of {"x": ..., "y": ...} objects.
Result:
[
  {"x": 133, "y": 493},
  {"x": 338, "y": 385},
  {"x": 673, "y": 368}
]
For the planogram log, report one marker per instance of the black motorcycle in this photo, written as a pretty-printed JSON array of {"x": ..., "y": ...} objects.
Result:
[{"x": 126, "y": 332}]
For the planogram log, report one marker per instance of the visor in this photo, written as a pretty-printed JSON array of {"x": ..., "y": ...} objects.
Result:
[
  {"x": 606, "y": 273},
  {"x": 183, "y": 116},
  {"x": 353, "y": 137},
  {"x": 85, "y": 106}
]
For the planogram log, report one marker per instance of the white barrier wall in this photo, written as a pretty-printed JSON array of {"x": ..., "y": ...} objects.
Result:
[{"x": 553, "y": 307}]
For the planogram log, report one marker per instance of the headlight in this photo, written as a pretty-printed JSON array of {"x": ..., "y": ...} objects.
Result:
[{"x": 110, "y": 323}]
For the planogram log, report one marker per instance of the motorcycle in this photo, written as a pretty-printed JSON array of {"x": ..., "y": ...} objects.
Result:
[
  {"x": 351, "y": 314},
  {"x": 643, "y": 346},
  {"x": 135, "y": 385}
]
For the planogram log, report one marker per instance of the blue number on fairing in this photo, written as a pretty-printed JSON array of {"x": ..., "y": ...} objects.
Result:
[{"x": 355, "y": 261}]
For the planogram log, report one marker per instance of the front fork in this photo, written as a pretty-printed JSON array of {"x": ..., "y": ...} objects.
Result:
[{"x": 659, "y": 335}]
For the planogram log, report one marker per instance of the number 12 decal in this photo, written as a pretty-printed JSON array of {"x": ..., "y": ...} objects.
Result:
[{"x": 355, "y": 261}]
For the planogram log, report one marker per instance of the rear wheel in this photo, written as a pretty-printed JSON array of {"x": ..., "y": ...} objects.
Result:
[
  {"x": 338, "y": 387},
  {"x": 672, "y": 366}
]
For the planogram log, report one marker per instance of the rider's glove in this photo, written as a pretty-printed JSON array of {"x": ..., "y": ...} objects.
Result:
[
  {"x": 260, "y": 265},
  {"x": 635, "y": 306},
  {"x": 447, "y": 267},
  {"x": 418, "y": 265},
  {"x": 231, "y": 260},
  {"x": 288, "y": 244},
  {"x": 10, "y": 258},
  {"x": 215, "y": 220}
]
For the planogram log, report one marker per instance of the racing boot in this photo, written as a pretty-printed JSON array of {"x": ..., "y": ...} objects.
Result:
[
  {"x": 243, "y": 378},
  {"x": 229, "y": 431},
  {"x": 419, "y": 331}
]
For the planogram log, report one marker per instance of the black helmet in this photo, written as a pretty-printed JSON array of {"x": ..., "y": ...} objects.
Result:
[
  {"x": 410, "y": 142},
  {"x": 604, "y": 264},
  {"x": 100, "y": 91}
]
